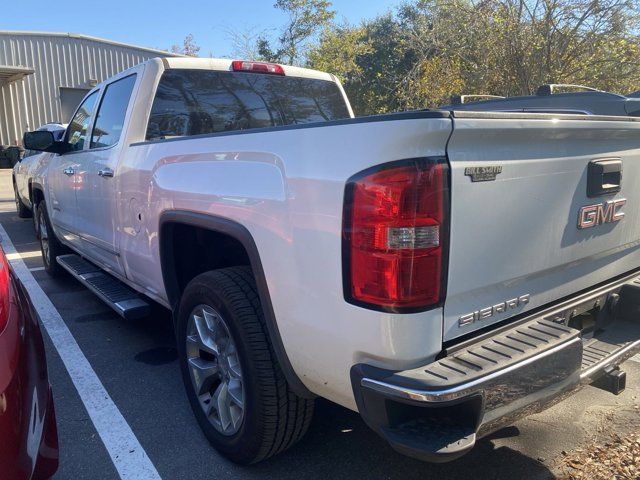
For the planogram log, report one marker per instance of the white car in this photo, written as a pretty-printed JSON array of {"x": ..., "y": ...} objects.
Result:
[
  {"x": 440, "y": 272},
  {"x": 25, "y": 170}
]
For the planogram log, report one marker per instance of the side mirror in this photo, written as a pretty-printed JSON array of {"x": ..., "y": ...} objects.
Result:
[{"x": 43, "y": 141}]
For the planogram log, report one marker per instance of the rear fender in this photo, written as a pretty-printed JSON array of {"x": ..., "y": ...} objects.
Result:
[{"x": 233, "y": 229}]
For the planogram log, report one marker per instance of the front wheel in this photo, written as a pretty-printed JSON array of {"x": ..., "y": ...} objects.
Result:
[
  {"x": 21, "y": 208},
  {"x": 50, "y": 246},
  {"x": 234, "y": 383}
]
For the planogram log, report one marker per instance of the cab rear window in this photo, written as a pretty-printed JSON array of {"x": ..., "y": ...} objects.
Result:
[{"x": 195, "y": 102}]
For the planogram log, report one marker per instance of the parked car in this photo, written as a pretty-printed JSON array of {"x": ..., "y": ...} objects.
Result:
[
  {"x": 25, "y": 169},
  {"x": 441, "y": 273},
  {"x": 28, "y": 433}
]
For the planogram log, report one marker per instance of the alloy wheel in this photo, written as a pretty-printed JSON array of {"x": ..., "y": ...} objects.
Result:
[{"x": 214, "y": 367}]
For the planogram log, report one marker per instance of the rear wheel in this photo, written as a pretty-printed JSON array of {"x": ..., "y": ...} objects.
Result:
[
  {"x": 50, "y": 246},
  {"x": 21, "y": 208},
  {"x": 236, "y": 388}
]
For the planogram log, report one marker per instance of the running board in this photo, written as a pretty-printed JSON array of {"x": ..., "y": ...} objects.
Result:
[{"x": 124, "y": 300}]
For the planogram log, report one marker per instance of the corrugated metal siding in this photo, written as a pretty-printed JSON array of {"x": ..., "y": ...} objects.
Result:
[{"x": 58, "y": 61}]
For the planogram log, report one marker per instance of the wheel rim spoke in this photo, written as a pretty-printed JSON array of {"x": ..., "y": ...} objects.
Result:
[
  {"x": 214, "y": 366},
  {"x": 221, "y": 402},
  {"x": 236, "y": 416},
  {"x": 234, "y": 365},
  {"x": 204, "y": 336},
  {"x": 204, "y": 374},
  {"x": 235, "y": 392},
  {"x": 212, "y": 322}
]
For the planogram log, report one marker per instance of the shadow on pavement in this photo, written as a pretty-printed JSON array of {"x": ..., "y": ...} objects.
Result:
[{"x": 340, "y": 445}]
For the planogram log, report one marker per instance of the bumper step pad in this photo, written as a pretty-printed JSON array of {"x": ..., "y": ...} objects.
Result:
[
  {"x": 495, "y": 354},
  {"x": 124, "y": 300},
  {"x": 610, "y": 348},
  {"x": 437, "y": 411}
]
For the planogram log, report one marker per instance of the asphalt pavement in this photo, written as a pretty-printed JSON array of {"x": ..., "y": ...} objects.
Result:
[{"x": 137, "y": 365}]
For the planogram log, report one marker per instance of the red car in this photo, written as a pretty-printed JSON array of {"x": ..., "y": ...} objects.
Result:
[{"x": 28, "y": 433}]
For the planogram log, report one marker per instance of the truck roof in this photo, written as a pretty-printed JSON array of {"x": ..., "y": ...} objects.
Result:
[{"x": 224, "y": 64}]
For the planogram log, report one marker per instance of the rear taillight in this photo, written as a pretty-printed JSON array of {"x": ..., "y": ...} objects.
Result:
[
  {"x": 4, "y": 291},
  {"x": 257, "y": 67},
  {"x": 394, "y": 234}
]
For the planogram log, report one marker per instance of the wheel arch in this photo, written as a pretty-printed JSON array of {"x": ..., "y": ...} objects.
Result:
[
  {"x": 35, "y": 189},
  {"x": 16, "y": 191},
  {"x": 169, "y": 221}
]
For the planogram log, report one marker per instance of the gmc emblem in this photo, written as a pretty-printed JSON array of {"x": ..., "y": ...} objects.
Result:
[{"x": 593, "y": 215}]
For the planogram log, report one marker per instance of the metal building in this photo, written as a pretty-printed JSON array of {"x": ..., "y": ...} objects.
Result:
[{"x": 43, "y": 76}]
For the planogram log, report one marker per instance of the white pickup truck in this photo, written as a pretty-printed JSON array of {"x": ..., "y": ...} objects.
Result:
[{"x": 440, "y": 272}]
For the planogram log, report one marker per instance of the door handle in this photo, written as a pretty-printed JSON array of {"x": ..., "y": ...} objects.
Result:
[
  {"x": 107, "y": 172},
  {"x": 69, "y": 171}
]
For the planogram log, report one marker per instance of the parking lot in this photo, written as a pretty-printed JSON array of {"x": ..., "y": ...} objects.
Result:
[{"x": 136, "y": 363}]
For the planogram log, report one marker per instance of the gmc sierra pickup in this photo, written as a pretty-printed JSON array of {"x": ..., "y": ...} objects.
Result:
[{"x": 440, "y": 272}]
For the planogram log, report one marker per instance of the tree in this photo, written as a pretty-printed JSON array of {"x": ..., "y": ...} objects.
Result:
[
  {"x": 428, "y": 50},
  {"x": 246, "y": 44},
  {"x": 340, "y": 51},
  {"x": 511, "y": 47},
  {"x": 188, "y": 48},
  {"x": 306, "y": 19}
]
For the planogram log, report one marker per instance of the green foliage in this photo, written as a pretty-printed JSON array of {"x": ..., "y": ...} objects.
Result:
[
  {"x": 306, "y": 19},
  {"x": 428, "y": 50}
]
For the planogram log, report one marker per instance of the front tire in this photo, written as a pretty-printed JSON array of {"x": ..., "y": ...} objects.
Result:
[
  {"x": 234, "y": 383},
  {"x": 36, "y": 227},
  {"x": 50, "y": 246},
  {"x": 21, "y": 208}
]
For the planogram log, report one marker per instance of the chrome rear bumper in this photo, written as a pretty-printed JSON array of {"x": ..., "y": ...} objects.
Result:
[{"x": 437, "y": 412}]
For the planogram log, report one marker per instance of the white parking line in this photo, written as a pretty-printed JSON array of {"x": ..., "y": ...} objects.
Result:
[
  {"x": 127, "y": 455},
  {"x": 36, "y": 269},
  {"x": 23, "y": 255}
]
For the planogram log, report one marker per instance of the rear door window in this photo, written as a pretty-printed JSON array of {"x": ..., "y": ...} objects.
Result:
[
  {"x": 194, "y": 102},
  {"x": 113, "y": 108}
]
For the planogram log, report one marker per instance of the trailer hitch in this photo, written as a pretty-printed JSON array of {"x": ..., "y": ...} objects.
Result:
[{"x": 613, "y": 380}]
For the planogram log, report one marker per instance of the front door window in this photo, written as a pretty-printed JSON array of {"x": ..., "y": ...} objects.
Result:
[{"x": 79, "y": 127}]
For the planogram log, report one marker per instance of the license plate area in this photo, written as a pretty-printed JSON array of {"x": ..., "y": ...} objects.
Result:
[
  {"x": 599, "y": 312},
  {"x": 588, "y": 312}
]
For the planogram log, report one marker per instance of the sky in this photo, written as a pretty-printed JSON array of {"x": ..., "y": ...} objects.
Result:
[{"x": 162, "y": 23}]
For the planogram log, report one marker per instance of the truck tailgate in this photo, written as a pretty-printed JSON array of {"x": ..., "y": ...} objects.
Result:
[{"x": 515, "y": 241}]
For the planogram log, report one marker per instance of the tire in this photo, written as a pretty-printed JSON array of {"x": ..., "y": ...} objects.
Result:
[
  {"x": 36, "y": 228},
  {"x": 273, "y": 418},
  {"x": 50, "y": 246},
  {"x": 21, "y": 208}
]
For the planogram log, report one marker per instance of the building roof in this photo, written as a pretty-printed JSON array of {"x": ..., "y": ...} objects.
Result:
[
  {"x": 79, "y": 36},
  {"x": 9, "y": 73}
]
